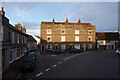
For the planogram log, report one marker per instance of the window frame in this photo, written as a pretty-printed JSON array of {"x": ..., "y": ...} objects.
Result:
[
  {"x": 49, "y": 32},
  {"x": 50, "y": 39},
  {"x": 62, "y": 30},
  {"x": 76, "y": 38},
  {"x": 89, "y": 37},
  {"x": 89, "y": 33},
  {"x": 62, "y": 38},
  {"x": 78, "y": 31}
]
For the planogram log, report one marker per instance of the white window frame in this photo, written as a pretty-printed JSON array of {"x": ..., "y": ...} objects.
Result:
[
  {"x": 62, "y": 38},
  {"x": 63, "y": 46},
  {"x": 89, "y": 37},
  {"x": 77, "y": 38},
  {"x": 50, "y": 46},
  {"x": 62, "y": 30},
  {"x": 48, "y": 31},
  {"x": 90, "y": 46},
  {"x": 90, "y": 31},
  {"x": 18, "y": 38},
  {"x": 77, "y": 31},
  {"x": 50, "y": 39},
  {"x": 13, "y": 37}
]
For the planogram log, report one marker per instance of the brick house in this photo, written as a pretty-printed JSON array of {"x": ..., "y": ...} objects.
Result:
[
  {"x": 13, "y": 41},
  {"x": 65, "y": 35},
  {"x": 107, "y": 40}
]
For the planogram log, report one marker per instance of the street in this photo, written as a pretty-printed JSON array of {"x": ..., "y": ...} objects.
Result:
[{"x": 89, "y": 64}]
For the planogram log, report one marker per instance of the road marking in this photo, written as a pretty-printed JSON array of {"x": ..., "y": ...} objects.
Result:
[
  {"x": 55, "y": 65},
  {"x": 39, "y": 74},
  {"x": 47, "y": 69},
  {"x": 59, "y": 62},
  {"x": 64, "y": 59}
]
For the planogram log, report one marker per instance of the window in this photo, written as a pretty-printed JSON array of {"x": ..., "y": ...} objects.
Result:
[
  {"x": 90, "y": 38},
  {"x": 13, "y": 37},
  {"x": 22, "y": 39},
  {"x": 62, "y": 38},
  {"x": 48, "y": 31},
  {"x": 56, "y": 46},
  {"x": 76, "y": 31},
  {"x": 1, "y": 32},
  {"x": 62, "y": 46},
  {"x": 49, "y": 47},
  {"x": 48, "y": 38},
  {"x": 62, "y": 31},
  {"x": 17, "y": 38},
  {"x": 90, "y": 46},
  {"x": 70, "y": 45},
  {"x": 25, "y": 39},
  {"x": 76, "y": 38},
  {"x": 89, "y": 32},
  {"x": 11, "y": 55}
]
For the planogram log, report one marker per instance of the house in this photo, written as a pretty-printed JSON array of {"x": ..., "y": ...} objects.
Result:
[
  {"x": 107, "y": 40},
  {"x": 32, "y": 43},
  {"x": 65, "y": 35},
  {"x": 13, "y": 41}
]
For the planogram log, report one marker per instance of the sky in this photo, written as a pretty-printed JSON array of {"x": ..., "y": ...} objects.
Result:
[{"x": 104, "y": 15}]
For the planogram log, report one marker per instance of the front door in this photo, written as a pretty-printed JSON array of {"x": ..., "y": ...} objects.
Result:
[{"x": 43, "y": 48}]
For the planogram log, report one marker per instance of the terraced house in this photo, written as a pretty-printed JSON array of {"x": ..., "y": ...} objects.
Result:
[{"x": 65, "y": 35}]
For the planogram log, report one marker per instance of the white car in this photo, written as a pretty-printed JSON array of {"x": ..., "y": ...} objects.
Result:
[{"x": 118, "y": 51}]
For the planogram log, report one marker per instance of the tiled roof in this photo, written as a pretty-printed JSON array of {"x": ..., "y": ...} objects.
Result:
[
  {"x": 31, "y": 39},
  {"x": 107, "y": 35}
]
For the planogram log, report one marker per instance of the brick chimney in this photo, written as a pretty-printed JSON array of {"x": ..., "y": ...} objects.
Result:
[
  {"x": 66, "y": 20},
  {"x": 20, "y": 27},
  {"x": 79, "y": 21},
  {"x": 2, "y": 11},
  {"x": 53, "y": 20},
  {"x": 24, "y": 30}
]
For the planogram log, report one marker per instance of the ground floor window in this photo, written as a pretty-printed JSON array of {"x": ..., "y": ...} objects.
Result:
[
  {"x": 63, "y": 46},
  {"x": 49, "y": 47},
  {"x": 71, "y": 46},
  {"x": 77, "y": 46},
  {"x": 11, "y": 55},
  {"x": 90, "y": 46},
  {"x": 56, "y": 46}
]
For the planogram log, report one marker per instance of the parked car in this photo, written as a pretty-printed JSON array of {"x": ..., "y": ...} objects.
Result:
[
  {"x": 74, "y": 50},
  {"x": 32, "y": 55},
  {"x": 118, "y": 51},
  {"x": 28, "y": 64},
  {"x": 56, "y": 51}
]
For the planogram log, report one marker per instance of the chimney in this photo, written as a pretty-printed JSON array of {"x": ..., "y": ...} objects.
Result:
[
  {"x": 53, "y": 20},
  {"x": 66, "y": 20},
  {"x": 79, "y": 21},
  {"x": 2, "y": 11},
  {"x": 24, "y": 30},
  {"x": 20, "y": 27}
]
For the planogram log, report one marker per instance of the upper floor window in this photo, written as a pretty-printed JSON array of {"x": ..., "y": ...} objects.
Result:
[
  {"x": 25, "y": 40},
  {"x": 13, "y": 37},
  {"x": 48, "y": 31},
  {"x": 90, "y": 38},
  {"x": 62, "y": 38},
  {"x": 76, "y": 31},
  {"x": 22, "y": 39},
  {"x": 48, "y": 38},
  {"x": 76, "y": 38},
  {"x": 62, "y": 31},
  {"x": 17, "y": 38},
  {"x": 90, "y": 32},
  {"x": 1, "y": 32}
]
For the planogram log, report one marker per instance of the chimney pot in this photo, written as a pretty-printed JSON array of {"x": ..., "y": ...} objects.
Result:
[
  {"x": 79, "y": 21},
  {"x": 53, "y": 20},
  {"x": 66, "y": 19},
  {"x": 1, "y": 8}
]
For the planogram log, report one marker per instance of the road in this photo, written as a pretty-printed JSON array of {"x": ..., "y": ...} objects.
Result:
[{"x": 89, "y": 64}]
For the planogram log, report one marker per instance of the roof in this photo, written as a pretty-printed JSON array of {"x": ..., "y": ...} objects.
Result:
[
  {"x": 63, "y": 23},
  {"x": 107, "y": 35},
  {"x": 31, "y": 39}
]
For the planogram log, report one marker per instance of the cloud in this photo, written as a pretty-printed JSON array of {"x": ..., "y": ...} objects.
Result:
[
  {"x": 31, "y": 25},
  {"x": 33, "y": 32}
]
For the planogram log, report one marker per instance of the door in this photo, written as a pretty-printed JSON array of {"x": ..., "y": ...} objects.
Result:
[
  {"x": 84, "y": 47},
  {"x": 43, "y": 48}
]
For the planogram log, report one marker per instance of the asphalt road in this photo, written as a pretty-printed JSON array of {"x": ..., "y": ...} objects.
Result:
[{"x": 90, "y": 64}]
